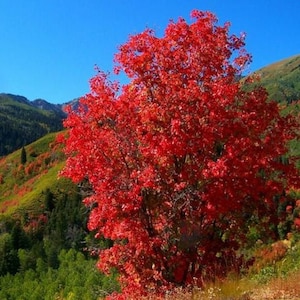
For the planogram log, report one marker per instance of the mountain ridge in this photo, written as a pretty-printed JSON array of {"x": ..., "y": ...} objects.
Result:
[
  {"x": 23, "y": 121},
  {"x": 37, "y": 103}
]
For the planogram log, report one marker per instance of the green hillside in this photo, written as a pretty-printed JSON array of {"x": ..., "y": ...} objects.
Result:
[
  {"x": 282, "y": 80},
  {"x": 22, "y": 184},
  {"x": 44, "y": 242},
  {"x": 22, "y": 123}
]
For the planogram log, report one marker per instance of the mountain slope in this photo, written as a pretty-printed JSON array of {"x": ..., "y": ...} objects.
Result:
[
  {"x": 23, "y": 121},
  {"x": 23, "y": 184},
  {"x": 282, "y": 79}
]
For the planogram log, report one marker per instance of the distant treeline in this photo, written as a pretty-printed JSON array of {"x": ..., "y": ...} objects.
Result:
[{"x": 21, "y": 124}]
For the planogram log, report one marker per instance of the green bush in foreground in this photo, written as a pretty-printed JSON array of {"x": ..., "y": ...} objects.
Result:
[{"x": 75, "y": 278}]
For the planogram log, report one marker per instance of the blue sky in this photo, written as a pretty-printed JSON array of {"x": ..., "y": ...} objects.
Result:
[{"x": 49, "y": 47}]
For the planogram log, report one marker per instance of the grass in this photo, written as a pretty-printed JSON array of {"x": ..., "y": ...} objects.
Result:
[
  {"x": 273, "y": 281},
  {"x": 245, "y": 289}
]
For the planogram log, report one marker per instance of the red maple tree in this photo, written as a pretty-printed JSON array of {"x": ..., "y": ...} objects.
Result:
[{"x": 179, "y": 158}]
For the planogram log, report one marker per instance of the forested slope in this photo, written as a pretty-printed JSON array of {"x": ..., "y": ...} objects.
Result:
[{"x": 22, "y": 122}]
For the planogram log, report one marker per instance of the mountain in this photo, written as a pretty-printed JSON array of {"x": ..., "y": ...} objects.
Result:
[
  {"x": 74, "y": 104},
  {"x": 44, "y": 105},
  {"x": 282, "y": 80},
  {"x": 23, "y": 121},
  {"x": 37, "y": 103}
]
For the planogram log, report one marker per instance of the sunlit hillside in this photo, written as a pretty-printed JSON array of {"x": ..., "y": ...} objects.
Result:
[
  {"x": 282, "y": 79},
  {"x": 23, "y": 183}
]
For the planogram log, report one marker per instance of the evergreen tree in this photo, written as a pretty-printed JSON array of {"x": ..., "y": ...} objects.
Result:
[
  {"x": 23, "y": 156},
  {"x": 19, "y": 238}
]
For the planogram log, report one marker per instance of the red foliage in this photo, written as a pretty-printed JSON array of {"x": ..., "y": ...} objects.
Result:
[
  {"x": 179, "y": 157},
  {"x": 35, "y": 223},
  {"x": 297, "y": 223}
]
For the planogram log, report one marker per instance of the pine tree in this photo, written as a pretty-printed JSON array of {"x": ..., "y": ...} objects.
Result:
[{"x": 23, "y": 156}]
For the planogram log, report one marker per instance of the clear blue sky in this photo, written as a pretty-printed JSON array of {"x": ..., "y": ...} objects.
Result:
[{"x": 49, "y": 47}]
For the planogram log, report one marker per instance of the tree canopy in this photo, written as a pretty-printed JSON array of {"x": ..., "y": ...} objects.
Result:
[{"x": 180, "y": 159}]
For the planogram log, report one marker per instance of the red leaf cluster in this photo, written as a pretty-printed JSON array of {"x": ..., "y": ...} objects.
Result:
[{"x": 178, "y": 158}]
